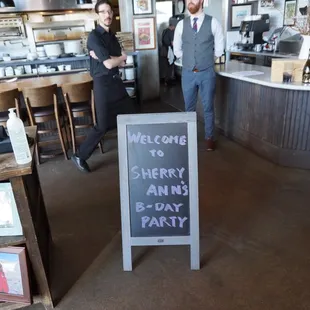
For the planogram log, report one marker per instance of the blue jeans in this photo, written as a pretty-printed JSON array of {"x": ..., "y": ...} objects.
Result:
[{"x": 203, "y": 81}]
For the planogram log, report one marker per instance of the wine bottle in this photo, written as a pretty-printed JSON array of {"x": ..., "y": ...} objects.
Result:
[
  {"x": 223, "y": 58},
  {"x": 306, "y": 71}
]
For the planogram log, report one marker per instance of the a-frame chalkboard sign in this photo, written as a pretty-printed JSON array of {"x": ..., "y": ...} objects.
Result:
[{"x": 158, "y": 182}]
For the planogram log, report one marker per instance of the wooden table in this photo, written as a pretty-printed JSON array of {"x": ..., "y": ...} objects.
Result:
[
  {"x": 47, "y": 80},
  {"x": 30, "y": 205}
]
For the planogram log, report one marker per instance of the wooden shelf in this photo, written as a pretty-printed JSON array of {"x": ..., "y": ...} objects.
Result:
[
  {"x": 55, "y": 41},
  {"x": 63, "y": 72},
  {"x": 12, "y": 240}
]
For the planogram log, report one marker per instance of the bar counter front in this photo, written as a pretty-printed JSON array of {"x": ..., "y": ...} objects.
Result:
[{"x": 271, "y": 119}]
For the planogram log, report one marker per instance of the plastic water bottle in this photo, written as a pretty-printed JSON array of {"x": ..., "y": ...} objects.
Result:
[{"x": 18, "y": 138}]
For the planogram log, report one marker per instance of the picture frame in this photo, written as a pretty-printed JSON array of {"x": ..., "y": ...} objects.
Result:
[
  {"x": 14, "y": 280},
  {"x": 144, "y": 33},
  {"x": 238, "y": 12},
  {"x": 142, "y": 7},
  {"x": 10, "y": 224},
  {"x": 289, "y": 12}
]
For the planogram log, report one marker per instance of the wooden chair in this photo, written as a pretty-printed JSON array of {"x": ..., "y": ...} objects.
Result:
[
  {"x": 79, "y": 99},
  {"x": 42, "y": 108},
  {"x": 8, "y": 99}
]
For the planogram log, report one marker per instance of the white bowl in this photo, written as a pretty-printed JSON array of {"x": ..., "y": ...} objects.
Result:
[
  {"x": 130, "y": 73},
  {"x": 130, "y": 91}
]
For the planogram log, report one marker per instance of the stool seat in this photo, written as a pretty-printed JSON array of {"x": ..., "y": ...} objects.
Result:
[
  {"x": 39, "y": 112},
  {"x": 80, "y": 107}
]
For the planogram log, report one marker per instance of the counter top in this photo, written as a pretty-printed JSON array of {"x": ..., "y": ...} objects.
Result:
[
  {"x": 9, "y": 168},
  {"x": 264, "y": 53},
  {"x": 231, "y": 68}
]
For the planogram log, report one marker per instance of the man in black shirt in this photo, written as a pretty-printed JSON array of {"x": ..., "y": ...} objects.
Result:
[
  {"x": 109, "y": 90},
  {"x": 167, "y": 41}
]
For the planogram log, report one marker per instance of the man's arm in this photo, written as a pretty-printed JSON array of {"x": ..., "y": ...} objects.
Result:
[
  {"x": 101, "y": 52},
  {"x": 115, "y": 61},
  {"x": 177, "y": 41},
  {"x": 217, "y": 31}
]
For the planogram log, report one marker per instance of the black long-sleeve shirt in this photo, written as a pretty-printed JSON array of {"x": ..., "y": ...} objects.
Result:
[{"x": 104, "y": 44}]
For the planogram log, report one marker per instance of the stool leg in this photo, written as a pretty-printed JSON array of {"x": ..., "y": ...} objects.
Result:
[
  {"x": 37, "y": 154},
  {"x": 61, "y": 137},
  {"x": 101, "y": 146}
]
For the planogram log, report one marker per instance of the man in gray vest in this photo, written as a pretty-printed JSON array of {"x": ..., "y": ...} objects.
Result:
[{"x": 199, "y": 40}]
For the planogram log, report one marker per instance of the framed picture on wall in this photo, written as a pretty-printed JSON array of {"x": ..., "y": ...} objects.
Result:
[
  {"x": 289, "y": 12},
  {"x": 239, "y": 12},
  {"x": 9, "y": 218},
  {"x": 141, "y": 7},
  {"x": 144, "y": 33},
  {"x": 14, "y": 275}
]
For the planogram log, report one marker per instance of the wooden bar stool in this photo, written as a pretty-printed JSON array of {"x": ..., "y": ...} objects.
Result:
[
  {"x": 43, "y": 110},
  {"x": 8, "y": 99},
  {"x": 79, "y": 99}
]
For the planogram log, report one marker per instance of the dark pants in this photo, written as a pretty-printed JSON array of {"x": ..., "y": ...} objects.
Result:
[
  {"x": 167, "y": 70},
  {"x": 111, "y": 99}
]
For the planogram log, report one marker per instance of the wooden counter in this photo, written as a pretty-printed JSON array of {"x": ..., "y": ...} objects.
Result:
[
  {"x": 31, "y": 209},
  {"x": 272, "y": 119}
]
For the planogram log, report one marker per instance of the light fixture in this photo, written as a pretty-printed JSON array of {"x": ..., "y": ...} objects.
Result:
[
  {"x": 7, "y": 4},
  {"x": 84, "y": 1}
]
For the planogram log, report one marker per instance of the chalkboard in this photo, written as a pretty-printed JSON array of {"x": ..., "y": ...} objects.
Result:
[
  {"x": 158, "y": 182},
  {"x": 158, "y": 179}
]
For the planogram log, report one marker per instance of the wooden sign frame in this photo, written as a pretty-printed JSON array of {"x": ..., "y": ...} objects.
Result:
[{"x": 193, "y": 238}]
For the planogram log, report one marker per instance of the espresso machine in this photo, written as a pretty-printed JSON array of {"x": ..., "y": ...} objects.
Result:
[{"x": 251, "y": 31}]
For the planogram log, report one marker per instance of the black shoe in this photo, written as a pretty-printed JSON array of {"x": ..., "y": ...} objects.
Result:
[{"x": 80, "y": 163}]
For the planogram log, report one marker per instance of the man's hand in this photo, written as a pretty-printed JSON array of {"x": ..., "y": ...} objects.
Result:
[
  {"x": 124, "y": 56},
  {"x": 93, "y": 55}
]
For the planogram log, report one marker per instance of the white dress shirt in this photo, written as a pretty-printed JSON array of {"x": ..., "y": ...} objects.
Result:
[{"x": 216, "y": 29}]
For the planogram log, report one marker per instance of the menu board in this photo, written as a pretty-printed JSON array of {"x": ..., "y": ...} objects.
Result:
[{"x": 158, "y": 181}]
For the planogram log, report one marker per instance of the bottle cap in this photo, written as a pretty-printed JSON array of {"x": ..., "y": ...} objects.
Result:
[{"x": 12, "y": 112}]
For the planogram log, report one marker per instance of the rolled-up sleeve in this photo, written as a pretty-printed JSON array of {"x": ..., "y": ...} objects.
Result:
[
  {"x": 95, "y": 44},
  {"x": 177, "y": 41},
  {"x": 217, "y": 31}
]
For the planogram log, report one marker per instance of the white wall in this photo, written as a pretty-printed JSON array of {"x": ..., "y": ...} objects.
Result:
[{"x": 215, "y": 9}]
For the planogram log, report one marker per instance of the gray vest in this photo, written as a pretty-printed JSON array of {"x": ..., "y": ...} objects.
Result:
[{"x": 198, "y": 48}]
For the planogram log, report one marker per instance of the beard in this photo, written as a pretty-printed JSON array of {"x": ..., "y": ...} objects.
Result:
[{"x": 193, "y": 8}]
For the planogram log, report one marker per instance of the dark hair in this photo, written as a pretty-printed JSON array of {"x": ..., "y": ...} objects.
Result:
[{"x": 99, "y": 2}]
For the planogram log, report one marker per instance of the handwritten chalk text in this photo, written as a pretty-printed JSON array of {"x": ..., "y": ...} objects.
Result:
[
  {"x": 146, "y": 139},
  {"x": 163, "y": 221}
]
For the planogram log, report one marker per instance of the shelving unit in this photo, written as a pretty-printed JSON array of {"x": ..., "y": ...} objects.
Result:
[{"x": 78, "y": 64}]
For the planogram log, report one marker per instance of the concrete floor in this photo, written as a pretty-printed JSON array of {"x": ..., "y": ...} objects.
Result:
[{"x": 254, "y": 226}]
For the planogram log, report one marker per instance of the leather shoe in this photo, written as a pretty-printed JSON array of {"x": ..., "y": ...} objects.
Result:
[
  {"x": 81, "y": 164},
  {"x": 210, "y": 145}
]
